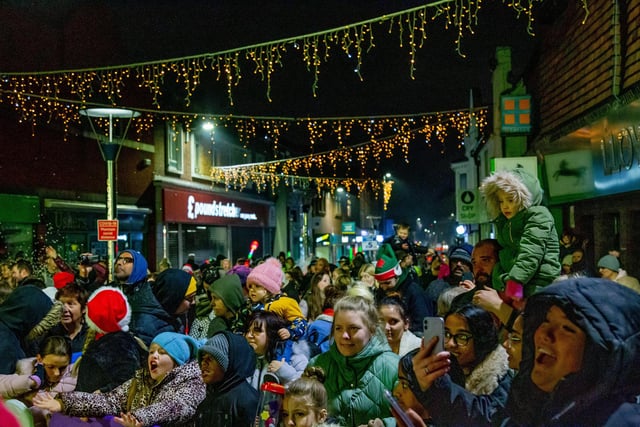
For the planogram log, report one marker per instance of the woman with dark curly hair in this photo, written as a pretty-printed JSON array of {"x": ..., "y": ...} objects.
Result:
[{"x": 476, "y": 365}]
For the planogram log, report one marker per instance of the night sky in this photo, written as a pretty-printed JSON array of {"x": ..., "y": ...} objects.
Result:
[{"x": 67, "y": 34}]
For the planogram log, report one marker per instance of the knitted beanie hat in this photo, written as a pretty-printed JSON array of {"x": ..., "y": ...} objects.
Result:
[
  {"x": 269, "y": 275},
  {"x": 460, "y": 253},
  {"x": 567, "y": 260},
  {"x": 108, "y": 311},
  {"x": 218, "y": 348},
  {"x": 62, "y": 279},
  {"x": 387, "y": 266},
  {"x": 610, "y": 262},
  {"x": 182, "y": 348}
]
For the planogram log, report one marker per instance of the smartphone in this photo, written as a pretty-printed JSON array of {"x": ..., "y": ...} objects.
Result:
[
  {"x": 433, "y": 327},
  {"x": 397, "y": 409}
]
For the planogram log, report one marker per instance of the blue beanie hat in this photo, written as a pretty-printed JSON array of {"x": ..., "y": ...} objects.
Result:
[{"x": 182, "y": 348}]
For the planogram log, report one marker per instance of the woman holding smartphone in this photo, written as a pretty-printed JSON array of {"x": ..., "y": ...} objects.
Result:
[{"x": 473, "y": 360}]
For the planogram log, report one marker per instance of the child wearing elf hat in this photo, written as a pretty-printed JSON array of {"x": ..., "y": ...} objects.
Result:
[
  {"x": 392, "y": 279},
  {"x": 264, "y": 288},
  {"x": 113, "y": 355},
  {"x": 165, "y": 392}
]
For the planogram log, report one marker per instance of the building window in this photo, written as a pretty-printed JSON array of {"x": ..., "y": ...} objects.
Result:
[
  {"x": 202, "y": 154},
  {"x": 318, "y": 205},
  {"x": 337, "y": 204},
  {"x": 176, "y": 137}
]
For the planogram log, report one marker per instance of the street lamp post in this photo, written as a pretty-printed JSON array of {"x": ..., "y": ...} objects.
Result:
[{"x": 110, "y": 150}]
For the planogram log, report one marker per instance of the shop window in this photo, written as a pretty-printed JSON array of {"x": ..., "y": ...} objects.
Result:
[{"x": 176, "y": 137}]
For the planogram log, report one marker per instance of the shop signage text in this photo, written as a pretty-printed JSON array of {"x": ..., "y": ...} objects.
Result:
[
  {"x": 195, "y": 207},
  {"x": 618, "y": 153},
  {"x": 216, "y": 209}
]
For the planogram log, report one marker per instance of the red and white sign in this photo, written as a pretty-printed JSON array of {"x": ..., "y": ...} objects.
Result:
[
  {"x": 211, "y": 208},
  {"x": 108, "y": 229}
]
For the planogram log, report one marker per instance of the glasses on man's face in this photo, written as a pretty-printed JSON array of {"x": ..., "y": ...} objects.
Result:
[
  {"x": 513, "y": 339},
  {"x": 459, "y": 339},
  {"x": 124, "y": 260}
]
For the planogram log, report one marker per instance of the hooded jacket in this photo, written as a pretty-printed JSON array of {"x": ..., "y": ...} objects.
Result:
[
  {"x": 229, "y": 289},
  {"x": 170, "y": 288},
  {"x": 21, "y": 311},
  {"x": 530, "y": 252},
  {"x": 355, "y": 384},
  {"x": 231, "y": 402},
  {"x": 148, "y": 317},
  {"x": 605, "y": 390}
]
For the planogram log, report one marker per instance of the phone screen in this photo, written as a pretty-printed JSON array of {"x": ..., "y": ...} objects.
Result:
[
  {"x": 398, "y": 410},
  {"x": 434, "y": 327}
]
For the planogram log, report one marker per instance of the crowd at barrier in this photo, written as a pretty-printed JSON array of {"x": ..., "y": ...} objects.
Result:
[{"x": 514, "y": 331}]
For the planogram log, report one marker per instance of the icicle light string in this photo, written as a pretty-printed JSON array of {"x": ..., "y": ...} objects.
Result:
[{"x": 354, "y": 40}]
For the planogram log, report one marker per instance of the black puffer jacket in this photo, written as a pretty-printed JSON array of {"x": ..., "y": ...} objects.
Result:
[
  {"x": 22, "y": 310},
  {"x": 108, "y": 362},
  {"x": 604, "y": 391}
]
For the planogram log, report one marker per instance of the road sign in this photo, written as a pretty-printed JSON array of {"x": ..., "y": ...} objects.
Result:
[
  {"x": 369, "y": 245},
  {"x": 108, "y": 229}
]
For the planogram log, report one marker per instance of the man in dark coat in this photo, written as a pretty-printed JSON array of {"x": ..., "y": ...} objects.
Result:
[
  {"x": 21, "y": 311},
  {"x": 226, "y": 360}
]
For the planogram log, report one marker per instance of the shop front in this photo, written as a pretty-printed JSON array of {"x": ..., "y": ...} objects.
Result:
[
  {"x": 208, "y": 224},
  {"x": 593, "y": 176},
  {"x": 19, "y": 216},
  {"x": 71, "y": 227}
]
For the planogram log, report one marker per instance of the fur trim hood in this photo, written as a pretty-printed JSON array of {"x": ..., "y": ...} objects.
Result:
[
  {"x": 486, "y": 377},
  {"x": 524, "y": 186}
]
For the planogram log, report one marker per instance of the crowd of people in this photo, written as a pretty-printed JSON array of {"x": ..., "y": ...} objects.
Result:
[{"x": 525, "y": 340}]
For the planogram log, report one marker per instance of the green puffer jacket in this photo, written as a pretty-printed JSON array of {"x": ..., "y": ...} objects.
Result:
[
  {"x": 355, "y": 384},
  {"x": 530, "y": 252}
]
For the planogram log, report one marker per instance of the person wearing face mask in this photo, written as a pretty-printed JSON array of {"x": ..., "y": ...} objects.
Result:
[{"x": 165, "y": 392}]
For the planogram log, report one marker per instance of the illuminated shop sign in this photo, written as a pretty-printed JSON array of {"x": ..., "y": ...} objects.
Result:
[{"x": 208, "y": 208}]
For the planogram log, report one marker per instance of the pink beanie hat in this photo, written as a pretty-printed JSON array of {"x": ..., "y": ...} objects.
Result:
[{"x": 269, "y": 275}]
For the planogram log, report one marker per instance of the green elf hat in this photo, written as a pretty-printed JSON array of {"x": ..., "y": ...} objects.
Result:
[{"x": 387, "y": 266}]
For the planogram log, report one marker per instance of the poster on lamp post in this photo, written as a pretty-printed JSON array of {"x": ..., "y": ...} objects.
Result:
[{"x": 107, "y": 230}]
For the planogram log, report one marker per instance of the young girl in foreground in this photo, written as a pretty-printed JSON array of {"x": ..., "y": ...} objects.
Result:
[{"x": 305, "y": 401}]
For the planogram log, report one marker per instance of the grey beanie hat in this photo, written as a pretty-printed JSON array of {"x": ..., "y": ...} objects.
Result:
[{"x": 218, "y": 347}]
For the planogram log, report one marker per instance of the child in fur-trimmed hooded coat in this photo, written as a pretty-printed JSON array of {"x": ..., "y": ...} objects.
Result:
[{"x": 525, "y": 229}]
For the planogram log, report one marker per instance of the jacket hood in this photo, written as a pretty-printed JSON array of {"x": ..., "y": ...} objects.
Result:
[
  {"x": 524, "y": 186},
  {"x": 140, "y": 267},
  {"x": 24, "y": 308},
  {"x": 229, "y": 289},
  {"x": 377, "y": 345},
  {"x": 242, "y": 362},
  {"x": 170, "y": 288},
  {"x": 609, "y": 315}
]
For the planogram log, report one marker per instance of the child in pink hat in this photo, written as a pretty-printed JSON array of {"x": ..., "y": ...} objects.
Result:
[{"x": 264, "y": 288}]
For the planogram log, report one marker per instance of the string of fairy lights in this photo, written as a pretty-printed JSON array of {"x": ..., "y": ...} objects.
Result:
[{"x": 57, "y": 96}]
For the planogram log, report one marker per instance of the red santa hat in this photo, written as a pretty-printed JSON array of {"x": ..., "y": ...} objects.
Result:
[
  {"x": 62, "y": 279},
  {"x": 108, "y": 311}
]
